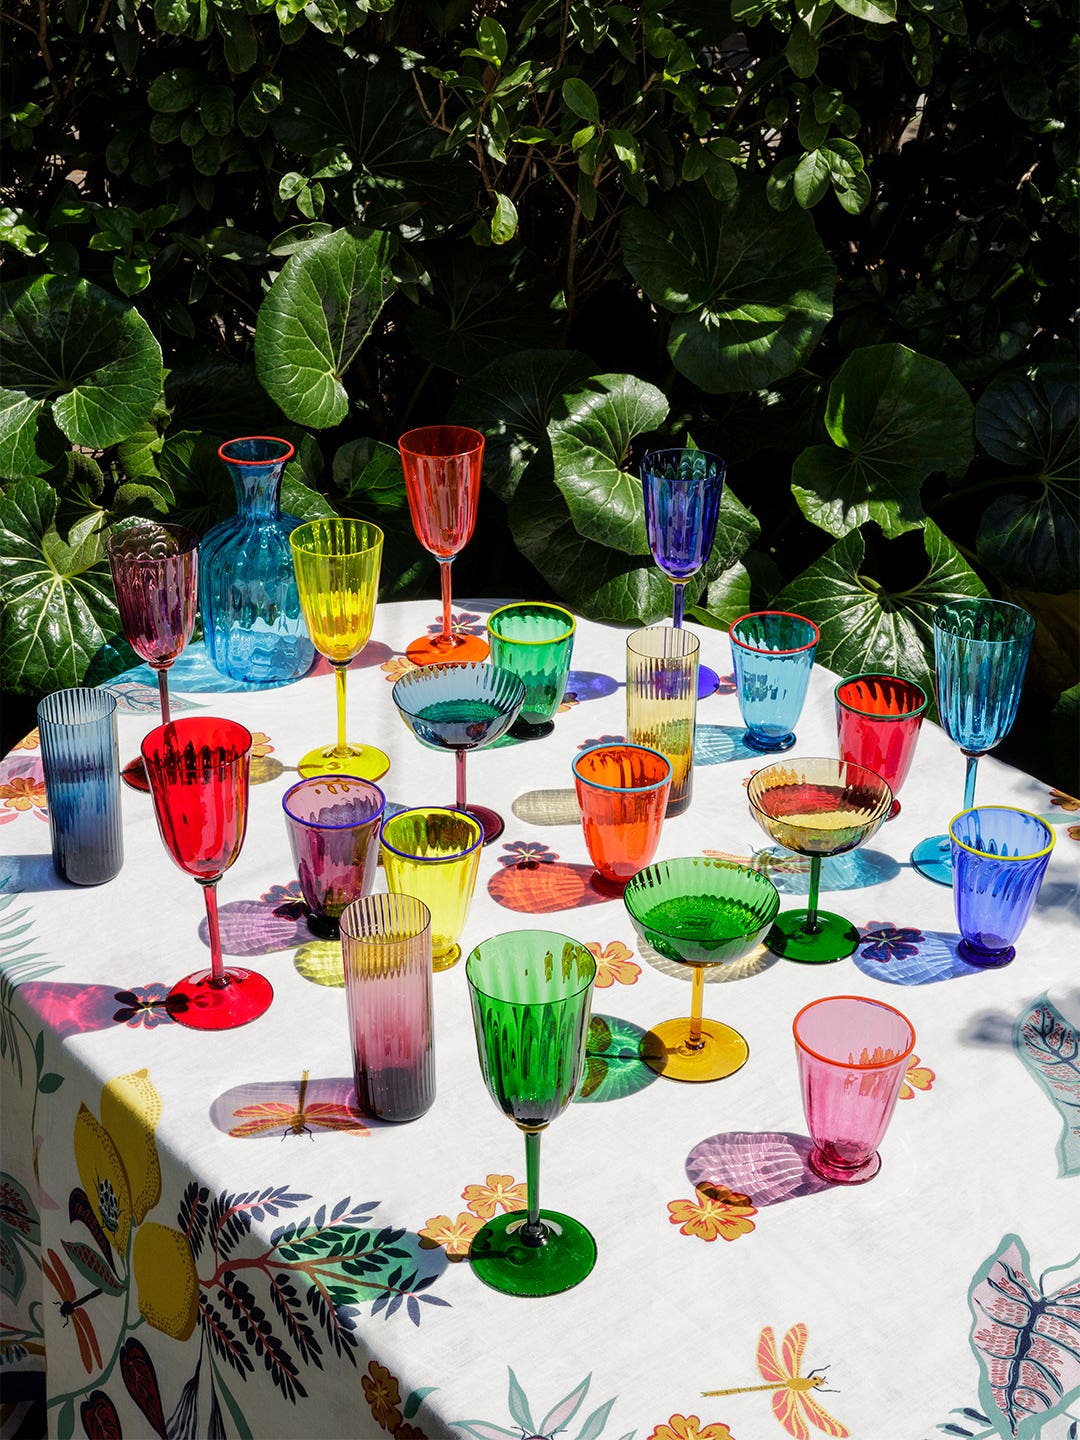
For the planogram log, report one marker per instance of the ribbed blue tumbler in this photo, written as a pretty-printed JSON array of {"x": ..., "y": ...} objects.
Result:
[
  {"x": 81, "y": 759},
  {"x": 999, "y": 858}
]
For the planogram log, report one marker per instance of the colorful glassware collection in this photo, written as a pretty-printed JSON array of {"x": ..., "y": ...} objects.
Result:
[{"x": 530, "y": 991}]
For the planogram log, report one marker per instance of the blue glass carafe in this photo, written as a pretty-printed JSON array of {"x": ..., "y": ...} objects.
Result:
[{"x": 252, "y": 621}]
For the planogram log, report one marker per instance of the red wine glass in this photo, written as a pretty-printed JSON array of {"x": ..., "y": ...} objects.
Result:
[
  {"x": 198, "y": 773},
  {"x": 155, "y": 574}
]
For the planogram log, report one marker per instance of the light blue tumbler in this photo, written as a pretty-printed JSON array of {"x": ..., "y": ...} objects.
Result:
[
  {"x": 81, "y": 759},
  {"x": 773, "y": 655},
  {"x": 999, "y": 857}
]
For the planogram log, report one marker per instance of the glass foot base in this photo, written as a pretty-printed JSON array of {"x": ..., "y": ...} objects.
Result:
[
  {"x": 833, "y": 939},
  {"x": 933, "y": 858},
  {"x": 531, "y": 729},
  {"x": 723, "y": 1051},
  {"x": 843, "y": 1174},
  {"x": 365, "y": 762},
  {"x": 986, "y": 959},
  {"x": 450, "y": 649},
  {"x": 199, "y": 1005},
  {"x": 502, "y": 1260},
  {"x": 491, "y": 821},
  {"x": 447, "y": 960},
  {"x": 768, "y": 744},
  {"x": 707, "y": 681},
  {"x": 134, "y": 774}
]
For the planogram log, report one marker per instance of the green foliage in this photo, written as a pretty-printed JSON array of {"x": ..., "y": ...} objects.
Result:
[{"x": 835, "y": 242}]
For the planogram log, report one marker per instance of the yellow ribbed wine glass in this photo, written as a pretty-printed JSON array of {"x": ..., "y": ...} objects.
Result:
[
  {"x": 434, "y": 854},
  {"x": 337, "y": 573}
]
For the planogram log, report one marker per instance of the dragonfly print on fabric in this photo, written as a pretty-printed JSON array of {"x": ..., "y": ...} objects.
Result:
[
  {"x": 1027, "y": 1342},
  {"x": 794, "y": 1402},
  {"x": 555, "y": 1423},
  {"x": 1049, "y": 1047},
  {"x": 246, "y": 1305}
]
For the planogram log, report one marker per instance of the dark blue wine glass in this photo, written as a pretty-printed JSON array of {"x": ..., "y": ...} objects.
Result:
[
  {"x": 683, "y": 490},
  {"x": 461, "y": 708},
  {"x": 981, "y": 650}
]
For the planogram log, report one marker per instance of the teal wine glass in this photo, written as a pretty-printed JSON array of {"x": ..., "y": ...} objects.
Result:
[
  {"x": 461, "y": 708},
  {"x": 981, "y": 650},
  {"x": 531, "y": 993}
]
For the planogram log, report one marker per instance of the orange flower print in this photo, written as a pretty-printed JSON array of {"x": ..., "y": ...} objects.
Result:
[
  {"x": 918, "y": 1077},
  {"x": 24, "y": 792},
  {"x": 453, "y": 1236},
  {"x": 397, "y": 666},
  {"x": 569, "y": 700},
  {"x": 260, "y": 745},
  {"x": 716, "y": 1212},
  {"x": 689, "y": 1427},
  {"x": 1057, "y": 797},
  {"x": 613, "y": 964},
  {"x": 499, "y": 1192},
  {"x": 383, "y": 1395},
  {"x": 29, "y": 742},
  {"x": 1073, "y": 832}
]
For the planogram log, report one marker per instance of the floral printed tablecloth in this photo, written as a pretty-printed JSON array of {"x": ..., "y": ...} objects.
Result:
[{"x": 201, "y": 1235}]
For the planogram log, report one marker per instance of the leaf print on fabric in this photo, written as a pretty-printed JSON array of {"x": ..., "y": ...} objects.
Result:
[
  {"x": 1027, "y": 1343},
  {"x": 555, "y": 1422},
  {"x": 1049, "y": 1047}
]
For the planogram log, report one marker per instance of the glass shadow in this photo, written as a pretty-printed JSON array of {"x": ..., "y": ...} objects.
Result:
[
  {"x": 591, "y": 684},
  {"x": 614, "y": 1068},
  {"x": 901, "y": 956},
  {"x": 768, "y": 1166},
  {"x": 547, "y": 807},
  {"x": 276, "y": 1109},
  {"x": 717, "y": 744},
  {"x": 856, "y": 870}
]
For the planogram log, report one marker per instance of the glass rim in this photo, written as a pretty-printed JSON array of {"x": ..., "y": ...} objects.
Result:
[
  {"x": 409, "y": 915},
  {"x": 533, "y": 605},
  {"x": 637, "y": 883},
  {"x": 311, "y": 527},
  {"x": 973, "y": 600},
  {"x": 187, "y": 537},
  {"x": 688, "y": 654},
  {"x": 102, "y": 696},
  {"x": 407, "y": 442},
  {"x": 761, "y": 650},
  {"x": 880, "y": 675},
  {"x": 664, "y": 450},
  {"x": 988, "y": 855},
  {"x": 884, "y": 804},
  {"x": 344, "y": 824},
  {"x": 184, "y": 723},
  {"x": 854, "y": 1064},
  {"x": 412, "y": 678},
  {"x": 290, "y": 450},
  {"x": 531, "y": 1004},
  {"x": 621, "y": 789},
  {"x": 454, "y": 855}
]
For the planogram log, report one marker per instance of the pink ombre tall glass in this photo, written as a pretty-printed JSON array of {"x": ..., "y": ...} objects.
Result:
[
  {"x": 386, "y": 949},
  {"x": 853, "y": 1055}
]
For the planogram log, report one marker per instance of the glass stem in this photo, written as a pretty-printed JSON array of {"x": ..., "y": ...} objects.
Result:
[
  {"x": 697, "y": 1001},
  {"x": 339, "y": 680},
  {"x": 532, "y": 1232},
  {"x": 163, "y": 693},
  {"x": 217, "y": 971},
  {"x": 444, "y": 580},
  {"x": 811, "y": 925},
  {"x": 969, "y": 781},
  {"x": 460, "y": 777},
  {"x": 678, "y": 603}
]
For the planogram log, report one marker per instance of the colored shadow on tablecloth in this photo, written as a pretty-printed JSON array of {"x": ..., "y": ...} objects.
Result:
[
  {"x": 74, "y": 1009},
  {"x": 276, "y": 921},
  {"x": 591, "y": 685},
  {"x": 903, "y": 955},
  {"x": 547, "y": 807},
  {"x": 768, "y": 1166},
  {"x": 541, "y": 888},
  {"x": 275, "y": 1109},
  {"x": 29, "y": 874},
  {"x": 193, "y": 672},
  {"x": 756, "y": 963},
  {"x": 854, "y": 871},
  {"x": 717, "y": 744},
  {"x": 614, "y": 1068}
]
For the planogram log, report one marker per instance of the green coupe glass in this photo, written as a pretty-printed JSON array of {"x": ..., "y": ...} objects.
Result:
[{"x": 531, "y": 992}]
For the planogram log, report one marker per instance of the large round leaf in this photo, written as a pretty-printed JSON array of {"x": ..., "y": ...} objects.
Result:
[
  {"x": 486, "y": 303},
  {"x": 511, "y": 401},
  {"x": 752, "y": 286},
  {"x": 1031, "y": 538},
  {"x": 865, "y": 627},
  {"x": 212, "y": 392},
  {"x": 592, "y": 429},
  {"x": 75, "y": 350},
  {"x": 369, "y": 475},
  {"x": 315, "y": 317},
  {"x": 59, "y": 615},
  {"x": 896, "y": 417},
  {"x": 597, "y": 582},
  {"x": 366, "y": 105}
]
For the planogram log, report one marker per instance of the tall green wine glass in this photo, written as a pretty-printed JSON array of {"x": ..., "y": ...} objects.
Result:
[{"x": 531, "y": 992}]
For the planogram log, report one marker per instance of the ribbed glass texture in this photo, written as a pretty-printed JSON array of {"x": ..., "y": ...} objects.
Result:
[
  {"x": 981, "y": 650},
  {"x": 999, "y": 858},
  {"x": 661, "y": 701},
  {"x": 878, "y": 718},
  {"x": 622, "y": 793},
  {"x": 682, "y": 491},
  {"x": 386, "y": 949},
  {"x": 772, "y": 652},
  {"x": 333, "y": 823},
  {"x": 81, "y": 759},
  {"x": 434, "y": 854},
  {"x": 155, "y": 571},
  {"x": 535, "y": 642},
  {"x": 252, "y": 621}
]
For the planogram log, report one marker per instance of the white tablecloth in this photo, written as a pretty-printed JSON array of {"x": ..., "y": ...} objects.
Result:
[{"x": 232, "y": 1295}]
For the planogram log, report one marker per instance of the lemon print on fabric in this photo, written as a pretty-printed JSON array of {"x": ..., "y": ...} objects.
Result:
[{"x": 165, "y": 1276}]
